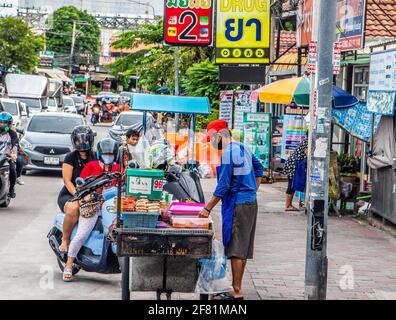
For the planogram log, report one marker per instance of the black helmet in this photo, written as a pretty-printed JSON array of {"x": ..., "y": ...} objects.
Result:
[
  {"x": 107, "y": 147},
  {"x": 82, "y": 138}
]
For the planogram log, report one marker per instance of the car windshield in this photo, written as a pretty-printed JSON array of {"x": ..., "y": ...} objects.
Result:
[
  {"x": 51, "y": 102},
  {"x": 78, "y": 99},
  {"x": 10, "y": 107},
  {"x": 68, "y": 102},
  {"x": 32, "y": 103},
  {"x": 129, "y": 119},
  {"x": 61, "y": 125}
]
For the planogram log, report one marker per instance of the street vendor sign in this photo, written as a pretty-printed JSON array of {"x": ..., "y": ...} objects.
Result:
[
  {"x": 243, "y": 32},
  {"x": 188, "y": 22}
]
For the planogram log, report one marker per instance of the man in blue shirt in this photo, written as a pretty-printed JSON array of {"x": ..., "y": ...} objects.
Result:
[{"x": 238, "y": 179}]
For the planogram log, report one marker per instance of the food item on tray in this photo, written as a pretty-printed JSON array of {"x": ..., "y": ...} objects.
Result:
[
  {"x": 127, "y": 203},
  {"x": 144, "y": 205},
  {"x": 191, "y": 223}
]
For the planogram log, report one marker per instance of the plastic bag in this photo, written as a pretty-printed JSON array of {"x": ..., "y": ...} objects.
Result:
[{"x": 213, "y": 273}]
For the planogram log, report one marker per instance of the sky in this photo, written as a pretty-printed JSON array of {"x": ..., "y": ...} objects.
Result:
[
  {"x": 119, "y": 7},
  {"x": 6, "y": 11}
]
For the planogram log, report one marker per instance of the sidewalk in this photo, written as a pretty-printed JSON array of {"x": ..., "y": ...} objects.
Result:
[{"x": 362, "y": 259}]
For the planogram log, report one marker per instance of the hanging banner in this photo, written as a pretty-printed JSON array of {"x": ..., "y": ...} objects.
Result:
[
  {"x": 188, "y": 22},
  {"x": 382, "y": 85},
  {"x": 350, "y": 24},
  {"x": 304, "y": 23},
  {"x": 242, "y": 104},
  {"x": 256, "y": 135},
  {"x": 226, "y": 102},
  {"x": 243, "y": 32},
  {"x": 294, "y": 130},
  {"x": 276, "y": 141},
  {"x": 357, "y": 120}
]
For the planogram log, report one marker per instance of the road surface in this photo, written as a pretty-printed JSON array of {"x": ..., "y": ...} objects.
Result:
[{"x": 28, "y": 266}]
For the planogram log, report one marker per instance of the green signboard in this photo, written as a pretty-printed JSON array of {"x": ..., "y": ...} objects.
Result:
[{"x": 257, "y": 135}]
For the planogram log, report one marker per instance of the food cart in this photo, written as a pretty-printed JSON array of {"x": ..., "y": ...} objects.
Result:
[{"x": 164, "y": 260}]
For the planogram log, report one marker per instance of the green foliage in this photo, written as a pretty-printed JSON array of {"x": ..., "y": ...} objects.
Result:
[
  {"x": 348, "y": 164},
  {"x": 19, "y": 47},
  {"x": 59, "y": 38},
  {"x": 202, "y": 80}
]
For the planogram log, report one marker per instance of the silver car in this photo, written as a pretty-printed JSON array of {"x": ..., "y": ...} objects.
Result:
[{"x": 47, "y": 139}]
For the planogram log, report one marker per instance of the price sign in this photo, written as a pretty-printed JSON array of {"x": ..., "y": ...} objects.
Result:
[
  {"x": 158, "y": 185},
  {"x": 188, "y": 22},
  {"x": 243, "y": 32}
]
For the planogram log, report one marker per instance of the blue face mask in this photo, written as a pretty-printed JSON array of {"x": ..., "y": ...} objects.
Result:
[{"x": 107, "y": 159}]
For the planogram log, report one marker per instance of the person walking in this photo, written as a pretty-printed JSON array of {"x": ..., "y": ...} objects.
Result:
[
  {"x": 300, "y": 154},
  {"x": 238, "y": 179}
]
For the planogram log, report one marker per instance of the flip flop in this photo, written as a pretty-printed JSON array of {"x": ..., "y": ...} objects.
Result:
[
  {"x": 292, "y": 210},
  {"x": 226, "y": 296},
  {"x": 67, "y": 275}
]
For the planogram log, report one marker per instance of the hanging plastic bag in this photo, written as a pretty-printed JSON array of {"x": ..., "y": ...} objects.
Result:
[{"x": 213, "y": 273}]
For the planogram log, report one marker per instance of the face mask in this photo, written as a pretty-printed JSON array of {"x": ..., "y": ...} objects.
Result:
[{"x": 107, "y": 159}]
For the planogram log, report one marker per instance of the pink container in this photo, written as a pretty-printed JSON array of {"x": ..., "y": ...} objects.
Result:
[{"x": 185, "y": 209}]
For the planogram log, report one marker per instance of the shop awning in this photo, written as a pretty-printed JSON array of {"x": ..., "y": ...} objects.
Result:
[
  {"x": 358, "y": 60},
  {"x": 55, "y": 74},
  {"x": 100, "y": 76},
  {"x": 283, "y": 69},
  {"x": 165, "y": 103}
]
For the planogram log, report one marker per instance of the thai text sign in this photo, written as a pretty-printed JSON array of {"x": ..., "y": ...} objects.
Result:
[
  {"x": 188, "y": 22},
  {"x": 350, "y": 23},
  {"x": 243, "y": 32}
]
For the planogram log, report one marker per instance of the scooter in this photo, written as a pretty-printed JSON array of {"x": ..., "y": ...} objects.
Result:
[
  {"x": 4, "y": 180},
  {"x": 98, "y": 253},
  {"x": 185, "y": 185}
]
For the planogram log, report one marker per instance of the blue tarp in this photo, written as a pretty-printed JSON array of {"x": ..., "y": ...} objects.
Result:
[
  {"x": 357, "y": 120},
  {"x": 165, "y": 103}
]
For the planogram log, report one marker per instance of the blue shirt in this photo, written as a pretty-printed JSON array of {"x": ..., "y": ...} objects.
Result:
[{"x": 237, "y": 173}]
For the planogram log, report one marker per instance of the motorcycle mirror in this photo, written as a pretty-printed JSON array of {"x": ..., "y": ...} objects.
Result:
[
  {"x": 20, "y": 130},
  {"x": 132, "y": 164}
]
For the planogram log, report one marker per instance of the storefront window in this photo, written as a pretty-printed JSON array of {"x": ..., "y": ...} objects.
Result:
[{"x": 361, "y": 82}]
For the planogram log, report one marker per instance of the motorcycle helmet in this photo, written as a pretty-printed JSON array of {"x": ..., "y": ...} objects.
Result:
[
  {"x": 5, "y": 121},
  {"x": 107, "y": 151},
  {"x": 82, "y": 138}
]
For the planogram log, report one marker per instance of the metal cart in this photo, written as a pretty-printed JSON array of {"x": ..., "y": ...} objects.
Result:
[{"x": 159, "y": 254}]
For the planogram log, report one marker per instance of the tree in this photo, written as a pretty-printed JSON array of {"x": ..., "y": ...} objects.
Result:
[
  {"x": 154, "y": 63},
  {"x": 19, "y": 47},
  {"x": 87, "y": 41},
  {"x": 202, "y": 80}
]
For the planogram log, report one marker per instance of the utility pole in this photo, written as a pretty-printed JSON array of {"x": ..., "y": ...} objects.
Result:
[
  {"x": 72, "y": 48},
  {"x": 177, "y": 115},
  {"x": 319, "y": 155}
]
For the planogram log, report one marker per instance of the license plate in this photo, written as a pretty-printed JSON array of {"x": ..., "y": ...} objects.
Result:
[{"x": 51, "y": 161}]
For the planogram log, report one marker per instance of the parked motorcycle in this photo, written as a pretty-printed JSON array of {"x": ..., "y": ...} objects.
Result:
[{"x": 98, "y": 253}]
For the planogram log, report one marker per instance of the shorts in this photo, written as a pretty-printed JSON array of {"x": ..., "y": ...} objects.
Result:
[
  {"x": 289, "y": 190},
  {"x": 243, "y": 231},
  {"x": 62, "y": 199}
]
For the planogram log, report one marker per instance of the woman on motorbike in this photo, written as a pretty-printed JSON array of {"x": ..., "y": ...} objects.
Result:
[
  {"x": 9, "y": 141},
  {"x": 106, "y": 151},
  {"x": 82, "y": 139}
]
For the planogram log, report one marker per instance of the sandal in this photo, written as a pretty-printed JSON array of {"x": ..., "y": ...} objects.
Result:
[
  {"x": 226, "y": 296},
  {"x": 291, "y": 209},
  {"x": 67, "y": 274}
]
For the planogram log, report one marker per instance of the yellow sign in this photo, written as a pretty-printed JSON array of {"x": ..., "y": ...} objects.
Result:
[{"x": 243, "y": 31}]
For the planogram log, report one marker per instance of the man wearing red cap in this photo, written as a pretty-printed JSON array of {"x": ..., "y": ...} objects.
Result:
[{"x": 238, "y": 178}]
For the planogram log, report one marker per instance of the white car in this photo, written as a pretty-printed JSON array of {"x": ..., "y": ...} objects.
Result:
[
  {"x": 52, "y": 105},
  {"x": 68, "y": 105},
  {"x": 17, "y": 109}
]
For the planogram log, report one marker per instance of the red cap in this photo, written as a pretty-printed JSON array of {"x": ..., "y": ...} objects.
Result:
[{"x": 214, "y": 127}]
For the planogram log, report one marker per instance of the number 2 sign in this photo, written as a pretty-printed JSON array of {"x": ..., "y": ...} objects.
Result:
[{"x": 188, "y": 22}]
